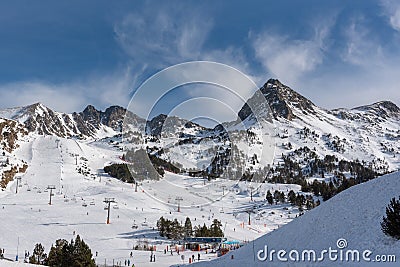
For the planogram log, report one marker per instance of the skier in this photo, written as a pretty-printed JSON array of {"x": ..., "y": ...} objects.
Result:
[{"x": 198, "y": 256}]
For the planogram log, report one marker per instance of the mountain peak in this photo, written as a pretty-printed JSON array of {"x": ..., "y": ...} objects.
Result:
[
  {"x": 283, "y": 101},
  {"x": 383, "y": 109},
  {"x": 90, "y": 109},
  {"x": 387, "y": 105}
]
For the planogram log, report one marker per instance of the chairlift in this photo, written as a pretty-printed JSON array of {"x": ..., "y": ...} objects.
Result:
[
  {"x": 84, "y": 204},
  {"x": 92, "y": 203},
  {"x": 115, "y": 207}
]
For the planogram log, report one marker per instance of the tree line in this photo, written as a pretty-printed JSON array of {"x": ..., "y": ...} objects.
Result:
[
  {"x": 173, "y": 229},
  {"x": 64, "y": 254}
]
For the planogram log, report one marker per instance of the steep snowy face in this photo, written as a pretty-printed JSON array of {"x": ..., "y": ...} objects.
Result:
[{"x": 348, "y": 221}]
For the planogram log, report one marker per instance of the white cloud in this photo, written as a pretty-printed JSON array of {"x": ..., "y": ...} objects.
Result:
[
  {"x": 287, "y": 59},
  {"x": 102, "y": 91},
  {"x": 291, "y": 59},
  {"x": 362, "y": 48},
  {"x": 25, "y": 93},
  {"x": 392, "y": 11}
]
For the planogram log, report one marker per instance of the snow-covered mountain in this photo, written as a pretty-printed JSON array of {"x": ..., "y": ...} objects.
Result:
[
  {"x": 88, "y": 123},
  {"x": 366, "y": 133}
]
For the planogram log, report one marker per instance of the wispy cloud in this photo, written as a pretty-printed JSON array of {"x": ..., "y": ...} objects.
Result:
[
  {"x": 361, "y": 42},
  {"x": 172, "y": 34},
  {"x": 163, "y": 36},
  {"x": 392, "y": 10},
  {"x": 290, "y": 59}
]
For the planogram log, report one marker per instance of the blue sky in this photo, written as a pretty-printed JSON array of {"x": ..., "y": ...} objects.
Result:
[{"x": 67, "y": 54}]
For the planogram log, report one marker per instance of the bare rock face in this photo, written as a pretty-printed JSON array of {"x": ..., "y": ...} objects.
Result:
[{"x": 10, "y": 132}]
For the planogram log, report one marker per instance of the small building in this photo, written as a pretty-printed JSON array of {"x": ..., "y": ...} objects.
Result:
[{"x": 201, "y": 243}]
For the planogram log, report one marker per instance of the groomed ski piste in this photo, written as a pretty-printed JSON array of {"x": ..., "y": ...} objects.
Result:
[{"x": 75, "y": 168}]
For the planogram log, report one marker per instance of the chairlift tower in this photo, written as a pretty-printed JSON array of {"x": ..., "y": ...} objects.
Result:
[
  {"x": 108, "y": 201},
  {"x": 251, "y": 192},
  {"x": 51, "y": 187},
  {"x": 179, "y": 199},
  {"x": 249, "y": 211},
  {"x": 18, "y": 182}
]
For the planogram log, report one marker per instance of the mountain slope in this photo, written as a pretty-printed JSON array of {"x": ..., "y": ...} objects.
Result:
[{"x": 354, "y": 215}]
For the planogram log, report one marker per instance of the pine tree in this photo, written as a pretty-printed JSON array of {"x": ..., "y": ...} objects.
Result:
[
  {"x": 74, "y": 254},
  {"x": 82, "y": 255},
  {"x": 215, "y": 229},
  {"x": 292, "y": 197},
  {"x": 161, "y": 226},
  {"x": 188, "y": 227},
  {"x": 176, "y": 230},
  {"x": 391, "y": 223},
  {"x": 57, "y": 254},
  {"x": 38, "y": 255},
  {"x": 201, "y": 231},
  {"x": 269, "y": 197}
]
